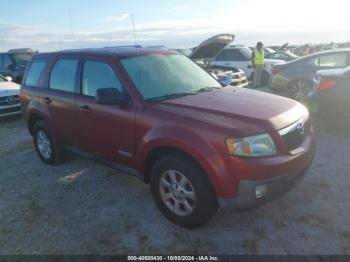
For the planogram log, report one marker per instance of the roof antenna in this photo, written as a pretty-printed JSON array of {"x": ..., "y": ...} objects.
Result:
[
  {"x": 71, "y": 28},
  {"x": 133, "y": 27}
]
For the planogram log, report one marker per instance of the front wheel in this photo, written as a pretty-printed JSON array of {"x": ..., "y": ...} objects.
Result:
[{"x": 182, "y": 191}]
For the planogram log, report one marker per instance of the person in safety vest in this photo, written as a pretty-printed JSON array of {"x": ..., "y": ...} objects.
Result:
[{"x": 258, "y": 61}]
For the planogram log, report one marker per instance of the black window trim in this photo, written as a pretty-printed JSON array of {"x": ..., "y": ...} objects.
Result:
[
  {"x": 76, "y": 80},
  {"x": 42, "y": 72}
]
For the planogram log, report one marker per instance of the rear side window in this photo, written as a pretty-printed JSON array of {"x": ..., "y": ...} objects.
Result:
[
  {"x": 63, "y": 75},
  {"x": 334, "y": 60},
  {"x": 34, "y": 72},
  {"x": 98, "y": 75}
]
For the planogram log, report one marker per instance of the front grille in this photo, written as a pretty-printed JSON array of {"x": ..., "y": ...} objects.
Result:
[
  {"x": 10, "y": 110},
  {"x": 9, "y": 100},
  {"x": 294, "y": 135}
]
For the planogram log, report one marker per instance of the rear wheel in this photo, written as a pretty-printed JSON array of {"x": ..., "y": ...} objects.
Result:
[
  {"x": 45, "y": 144},
  {"x": 182, "y": 191},
  {"x": 299, "y": 90},
  {"x": 265, "y": 78}
]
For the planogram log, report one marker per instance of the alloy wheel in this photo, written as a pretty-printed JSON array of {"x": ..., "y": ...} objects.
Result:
[
  {"x": 44, "y": 144},
  {"x": 300, "y": 91},
  {"x": 177, "y": 192}
]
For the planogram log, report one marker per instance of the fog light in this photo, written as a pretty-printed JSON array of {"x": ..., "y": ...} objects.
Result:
[{"x": 260, "y": 191}]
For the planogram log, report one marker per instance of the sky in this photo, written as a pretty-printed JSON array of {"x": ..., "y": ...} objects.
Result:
[{"x": 48, "y": 25}]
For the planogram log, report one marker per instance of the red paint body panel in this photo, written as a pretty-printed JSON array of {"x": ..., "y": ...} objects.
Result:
[{"x": 198, "y": 125}]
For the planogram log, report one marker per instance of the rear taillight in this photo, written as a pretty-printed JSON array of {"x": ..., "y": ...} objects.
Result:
[
  {"x": 275, "y": 70},
  {"x": 326, "y": 84}
]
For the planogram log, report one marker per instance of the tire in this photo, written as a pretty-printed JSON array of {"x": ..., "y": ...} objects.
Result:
[
  {"x": 299, "y": 90},
  {"x": 265, "y": 78},
  {"x": 46, "y": 146},
  {"x": 196, "y": 197}
]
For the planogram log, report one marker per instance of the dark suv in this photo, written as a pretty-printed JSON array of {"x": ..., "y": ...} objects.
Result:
[
  {"x": 157, "y": 115},
  {"x": 14, "y": 63}
]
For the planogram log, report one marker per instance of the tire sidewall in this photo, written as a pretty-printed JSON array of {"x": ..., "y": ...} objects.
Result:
[
  {"x": 206, "y": 202},
  {"x": 41, "y": 126}
]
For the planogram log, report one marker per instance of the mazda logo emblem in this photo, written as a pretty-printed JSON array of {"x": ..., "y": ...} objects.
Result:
[
  {"x": 301, "y": 128},
  {"x": 11, "y": 100}
]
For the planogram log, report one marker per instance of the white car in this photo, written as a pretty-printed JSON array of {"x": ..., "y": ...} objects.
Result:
[
  {"x": 208, "y": 50},
  {"x": 241, "y": 57},
  {"x": 9, "y": 97}
]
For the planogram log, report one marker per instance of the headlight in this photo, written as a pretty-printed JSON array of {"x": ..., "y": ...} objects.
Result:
[{"x": 254, "y": 146}]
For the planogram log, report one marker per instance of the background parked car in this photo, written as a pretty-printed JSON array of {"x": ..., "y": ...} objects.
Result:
[
  {"x": 208, "y": 50},
  {"x": 282, "y": 55},
  {"x": 296, "y": 77},
  {"x": 268, "y": 50},
  {"x": 14, "y": 63},
  {"x": 331, "y": 98},
  {"x": 241, "y": 57},
  {"x": 9, "y": 97}
]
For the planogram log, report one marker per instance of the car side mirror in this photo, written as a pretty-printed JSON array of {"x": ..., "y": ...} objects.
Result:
[
  {"x": 8, "y": 78},
  {"x": 111, "y": 96}
]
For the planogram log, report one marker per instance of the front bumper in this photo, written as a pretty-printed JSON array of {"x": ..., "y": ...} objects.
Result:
[
  {"x": 10, "y": 110},
  {"x": 276, "y": 187}
]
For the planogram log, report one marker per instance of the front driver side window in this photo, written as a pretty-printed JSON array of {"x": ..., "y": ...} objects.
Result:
[{"x": 97, "y": 75}]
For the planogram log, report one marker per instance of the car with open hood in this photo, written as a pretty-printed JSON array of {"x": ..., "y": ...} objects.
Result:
[
  {"x": 240, "y": 56},
  {"x": 157, "y": 115},
  {"x": 207, "y": 51},
  {"x": 14, "y": 63}
]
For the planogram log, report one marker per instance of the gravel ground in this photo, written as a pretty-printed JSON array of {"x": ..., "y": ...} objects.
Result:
[{"x": 82, "y": 207}]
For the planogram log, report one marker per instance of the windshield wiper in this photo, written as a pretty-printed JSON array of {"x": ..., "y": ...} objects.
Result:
[{"x": 170, "y": 96}]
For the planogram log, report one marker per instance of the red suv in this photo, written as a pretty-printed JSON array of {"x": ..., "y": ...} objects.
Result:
[{"x": 157, "y": 115}]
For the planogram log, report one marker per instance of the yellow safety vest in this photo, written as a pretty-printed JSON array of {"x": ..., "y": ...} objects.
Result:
[{"x": 259, "y": 57}]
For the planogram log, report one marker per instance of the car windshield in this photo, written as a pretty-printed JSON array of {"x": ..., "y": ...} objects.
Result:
[
  {"x": 166, "y": 76},
  {"x": 22, "y": 59}
]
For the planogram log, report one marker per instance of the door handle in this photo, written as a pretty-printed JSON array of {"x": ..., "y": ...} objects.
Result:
[
  {"x": 85, "y": 109},
  {"x": 48, "y": 100}
]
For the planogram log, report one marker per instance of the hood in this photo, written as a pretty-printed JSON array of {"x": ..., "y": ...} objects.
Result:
[
  {"x": 284, "y": 46},
  {"x": 9, "y": 88},
  {"x": 212, "y": 47},
  {"x": 244, "y": 112}
]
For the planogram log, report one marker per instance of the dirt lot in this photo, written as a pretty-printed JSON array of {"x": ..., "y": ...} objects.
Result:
[{"x": 82, "y": 207}]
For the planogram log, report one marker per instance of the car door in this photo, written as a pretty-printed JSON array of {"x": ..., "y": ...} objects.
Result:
[
  {"x": 59, "y": 99},
  {"x": 107, "y": 131}
]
